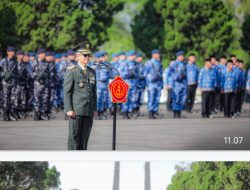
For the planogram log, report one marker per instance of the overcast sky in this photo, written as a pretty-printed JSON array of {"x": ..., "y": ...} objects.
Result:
[{"x": 98, "y": 175}]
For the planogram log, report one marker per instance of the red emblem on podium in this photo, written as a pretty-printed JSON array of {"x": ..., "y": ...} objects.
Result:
[{"x": 118, "y": 90}]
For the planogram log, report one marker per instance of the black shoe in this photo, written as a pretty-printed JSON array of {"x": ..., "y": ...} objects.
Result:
[
  {"x": 44, "y": 117},
  {"x": 12, "y": 117},
  {"x": 20, "y": 115},
  {"x": 151, "y": 115},
  {"x": 36, "y": 116},
  {"x": 175, "y": 115},
  {"x": 6, "y": 117},
  {"x": 179, "y": 114},
  {"x": 157, "y": 115},
  {"x": 126, "y": 115}
]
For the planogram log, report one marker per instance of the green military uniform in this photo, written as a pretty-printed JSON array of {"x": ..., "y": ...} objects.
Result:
[{"x": 80, "y": 97}]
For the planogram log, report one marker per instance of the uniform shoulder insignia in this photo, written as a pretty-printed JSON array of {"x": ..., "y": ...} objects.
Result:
[{"x": 71, "y": 67}]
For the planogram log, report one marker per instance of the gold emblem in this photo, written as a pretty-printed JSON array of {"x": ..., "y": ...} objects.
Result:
[{"x": 119, "y": 90}]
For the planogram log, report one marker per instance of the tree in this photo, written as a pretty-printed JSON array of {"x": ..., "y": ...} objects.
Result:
[
  {"x": 60, "y": 24},
  {"x": 203, "y": 27},
  {"x": 245, "y": 40},
  {"x": 147, "y": 29},
  {"x": 213, "y": 176},
  {"x": 28, "y": 175}
]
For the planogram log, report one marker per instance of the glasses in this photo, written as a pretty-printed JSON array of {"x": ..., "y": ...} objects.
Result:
[{"x": 86, "y": 55}]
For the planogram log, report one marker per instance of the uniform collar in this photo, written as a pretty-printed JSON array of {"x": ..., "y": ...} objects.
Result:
[{"x": 83, "y": 68}]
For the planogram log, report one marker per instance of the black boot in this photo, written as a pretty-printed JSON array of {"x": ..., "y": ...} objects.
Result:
[
  {"x": 13, "y": 117},
  {"x": 6, "y": 117},
  {"x": 36, "y": 116},
  {"x": 157, "y": 115},
  {"x": 44, "y": 116},
  {"x": 179, "y": 114},
  {"x": 175, "y": 114},
  {"x": 151, "y": 115}
]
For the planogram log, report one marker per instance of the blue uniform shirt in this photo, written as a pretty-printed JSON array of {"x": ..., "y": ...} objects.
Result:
[
  {"x": 248, "y": 80},
  {"x": 228, "y": 81},
  {"x": 154, "y": 72},
  {"x": 168, "y": 80},
  {"x": 207, "y": 79},
  {"x": 192, "y": 73}
]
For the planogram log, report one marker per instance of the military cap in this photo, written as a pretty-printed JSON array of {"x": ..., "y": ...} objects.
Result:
[
  {"x": 48, "y": 53},
  {"x": 114, "y": 55},
  {"x": 19, "y": 52},
  {"x": 70, "y": 52},
  {"x": 58, "y": 56},
  {"x": 131, "y": 53},
  {"x": 41, "y": 51},
  {"x": 52, "y": 53},
  {"x": 32, "y": 54},
  {"x": 99, "y": 54},
  {"x": 26, "y": 54},
  {"x": 139, "y": 54},
  {"x": 121, "y": 53},
  {"x": 179, "y": 53},
  {"x": 84, "y": 48},
  {"x": 105, "y": 53},
  {"x": 11, "y": 48},
  {"x": 155, "y": 51},
  {"x": 64, "y": 55}
]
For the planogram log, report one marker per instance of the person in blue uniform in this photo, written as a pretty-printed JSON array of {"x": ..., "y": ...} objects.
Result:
[
  {"x": 129, "y": 72},
  {"x": 168, "y": 83},
  {"x": 242, "y": 85},
  {"x": 221, "y": 68},
  {"x": 70, "y": 58},
  {"x": 239, "y": 79},
  {"x": 192, "y": 80},
  {"x": 102, "y": 79},
  {"x": 141, "y": 83},
  {"x": 206, "y": 84},
  {"x": 154, "y": 82},
  {"x": 179, "y": 89},
  {"x": 248, "y": 81},
  {"x": 228, "y": 87},
  {"x": 216, "y": 93}
]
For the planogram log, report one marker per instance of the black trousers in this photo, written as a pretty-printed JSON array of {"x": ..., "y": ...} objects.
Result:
[
  {"x": 79, "y": 132},
  {"x": 222, "y": 101},
  {"x": 216, "y": 99},
  {"x": 229, "y": 105},
  {"x": 191, "y": 91},
  {"x": 239, "y": 100},
  {"x": 169, "y": 100},
  {"x": 206, "y": 103}
]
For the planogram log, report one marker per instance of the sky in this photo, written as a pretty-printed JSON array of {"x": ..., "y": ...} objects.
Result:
[{"x": 98, "y": 175}]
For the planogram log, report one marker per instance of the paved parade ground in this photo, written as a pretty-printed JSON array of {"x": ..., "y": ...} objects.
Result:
[{"x": 190, "y": 133}]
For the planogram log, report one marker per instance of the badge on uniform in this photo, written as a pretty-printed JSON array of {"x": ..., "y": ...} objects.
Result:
[{"x": 92, "y": 79}]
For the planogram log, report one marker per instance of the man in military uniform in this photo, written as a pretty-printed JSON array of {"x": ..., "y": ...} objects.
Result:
[
  {"x": 10, "y": 71},
  {"x": 80, "y": 98},
  {"x": 154, "y": 82},
  {"x": 23, "y": 76},
  {"x": 179, "y": 90},
  {"x": 40, "y": 75}
]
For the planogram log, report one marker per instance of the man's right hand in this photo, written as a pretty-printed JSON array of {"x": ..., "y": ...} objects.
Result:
[{"x": 71, "y": 114}]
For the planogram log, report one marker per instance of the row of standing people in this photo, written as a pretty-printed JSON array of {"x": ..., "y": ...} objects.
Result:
[
  {"x": 30, "y": 82},
  {"x": 222, "y": 84}
]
